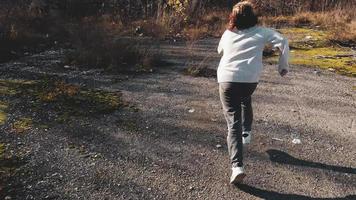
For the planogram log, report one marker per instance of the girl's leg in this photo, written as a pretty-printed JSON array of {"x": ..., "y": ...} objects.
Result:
[
  {"x": 231, "y": 102},
  {"x": 232, "y": 96},
  {"x": 247, "y": 112}
]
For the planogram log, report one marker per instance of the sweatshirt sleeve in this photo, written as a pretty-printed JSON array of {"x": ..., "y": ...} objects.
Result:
[{"x": 280, "y": 42}]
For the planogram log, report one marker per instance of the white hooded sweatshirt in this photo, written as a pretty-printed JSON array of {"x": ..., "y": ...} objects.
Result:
[{"x": 243, "y": 51}]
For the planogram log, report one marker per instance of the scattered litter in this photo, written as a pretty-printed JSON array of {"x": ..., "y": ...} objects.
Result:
[
  {"x": 218, "y": 146},
  {"x": 308, "y": 37},
  {"x": 317, "y": 72},
  {"x": 296, "y": 141},
  {"x": 8, "y": 198},
  {"x": 331, "y": 70},
  {"x": 191, "y": 110},
  {"x": 191, "y": 188},
  {"x": 66, "y": 67},
  {"x": 214, "y": 120},
  {"x": 277, "y": 139}
]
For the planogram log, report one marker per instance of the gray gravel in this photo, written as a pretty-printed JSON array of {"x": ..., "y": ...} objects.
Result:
[{"x": 172, "y": 145}]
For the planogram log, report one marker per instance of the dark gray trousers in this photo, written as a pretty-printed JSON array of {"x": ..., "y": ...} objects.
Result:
[{"x": 237, "y": 108}]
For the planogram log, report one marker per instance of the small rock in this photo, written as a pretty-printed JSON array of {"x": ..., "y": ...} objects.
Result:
[
  {"x": 218, "y": 146},
  {"x": 296, "y": 141},
  {"x": 191, "y": 188},
  {"x": 293, "y": 110}
]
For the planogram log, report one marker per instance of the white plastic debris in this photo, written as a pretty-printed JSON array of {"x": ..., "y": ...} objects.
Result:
[
  {"x": 218, "y": 146},
  {"x": 308, "y": 37},
  {"x": 191, "y": 110},
  {"x": 66, "y": 66},
  {"x": 296, "y": 141},
  {"x": 277, "y": 139},
  {"x": 331, "y": 70}
]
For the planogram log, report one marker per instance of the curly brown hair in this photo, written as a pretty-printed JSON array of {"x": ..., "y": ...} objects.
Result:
[{"x": 243, "y": 16}]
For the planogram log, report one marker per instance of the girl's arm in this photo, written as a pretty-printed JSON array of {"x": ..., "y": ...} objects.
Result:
[{"x": 280, "y": 42}]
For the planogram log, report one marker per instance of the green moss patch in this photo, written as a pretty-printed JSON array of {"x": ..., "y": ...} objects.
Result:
[
  {"x": 326, "y": 58},
  {"x": 54, "y": 100},
  {"x": 67, "y": 99},
  {"x": 2, "y": 150},
  {"x": 3, "y": 114},
  {"x": 9, "y": 87},
  {"x": 296, "y": 34},
  {"x": 22, "y": 125},
  {"x": 310, "y": 47}
]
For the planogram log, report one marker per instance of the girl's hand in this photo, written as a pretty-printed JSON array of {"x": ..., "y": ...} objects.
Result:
[{"x": 283, "y": 72}]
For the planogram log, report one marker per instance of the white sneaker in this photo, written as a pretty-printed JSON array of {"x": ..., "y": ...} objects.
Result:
[
  {"x": 246, "y": 137},
  {"x": 237, "y": 176}
]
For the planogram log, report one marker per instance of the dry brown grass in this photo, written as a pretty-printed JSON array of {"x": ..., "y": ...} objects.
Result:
[
  {"x": 96, "y": 47},
  {"x": 340, "y": 23},
  {"x": 150, "y": 28}
]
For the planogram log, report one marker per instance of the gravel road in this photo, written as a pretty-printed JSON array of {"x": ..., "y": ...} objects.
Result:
[{"x": 172, "y": 145}]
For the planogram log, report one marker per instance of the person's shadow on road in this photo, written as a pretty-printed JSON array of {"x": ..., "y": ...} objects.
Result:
[
  {"x": 284, "y": 158},
  {"x": 271, "y": 195}
]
